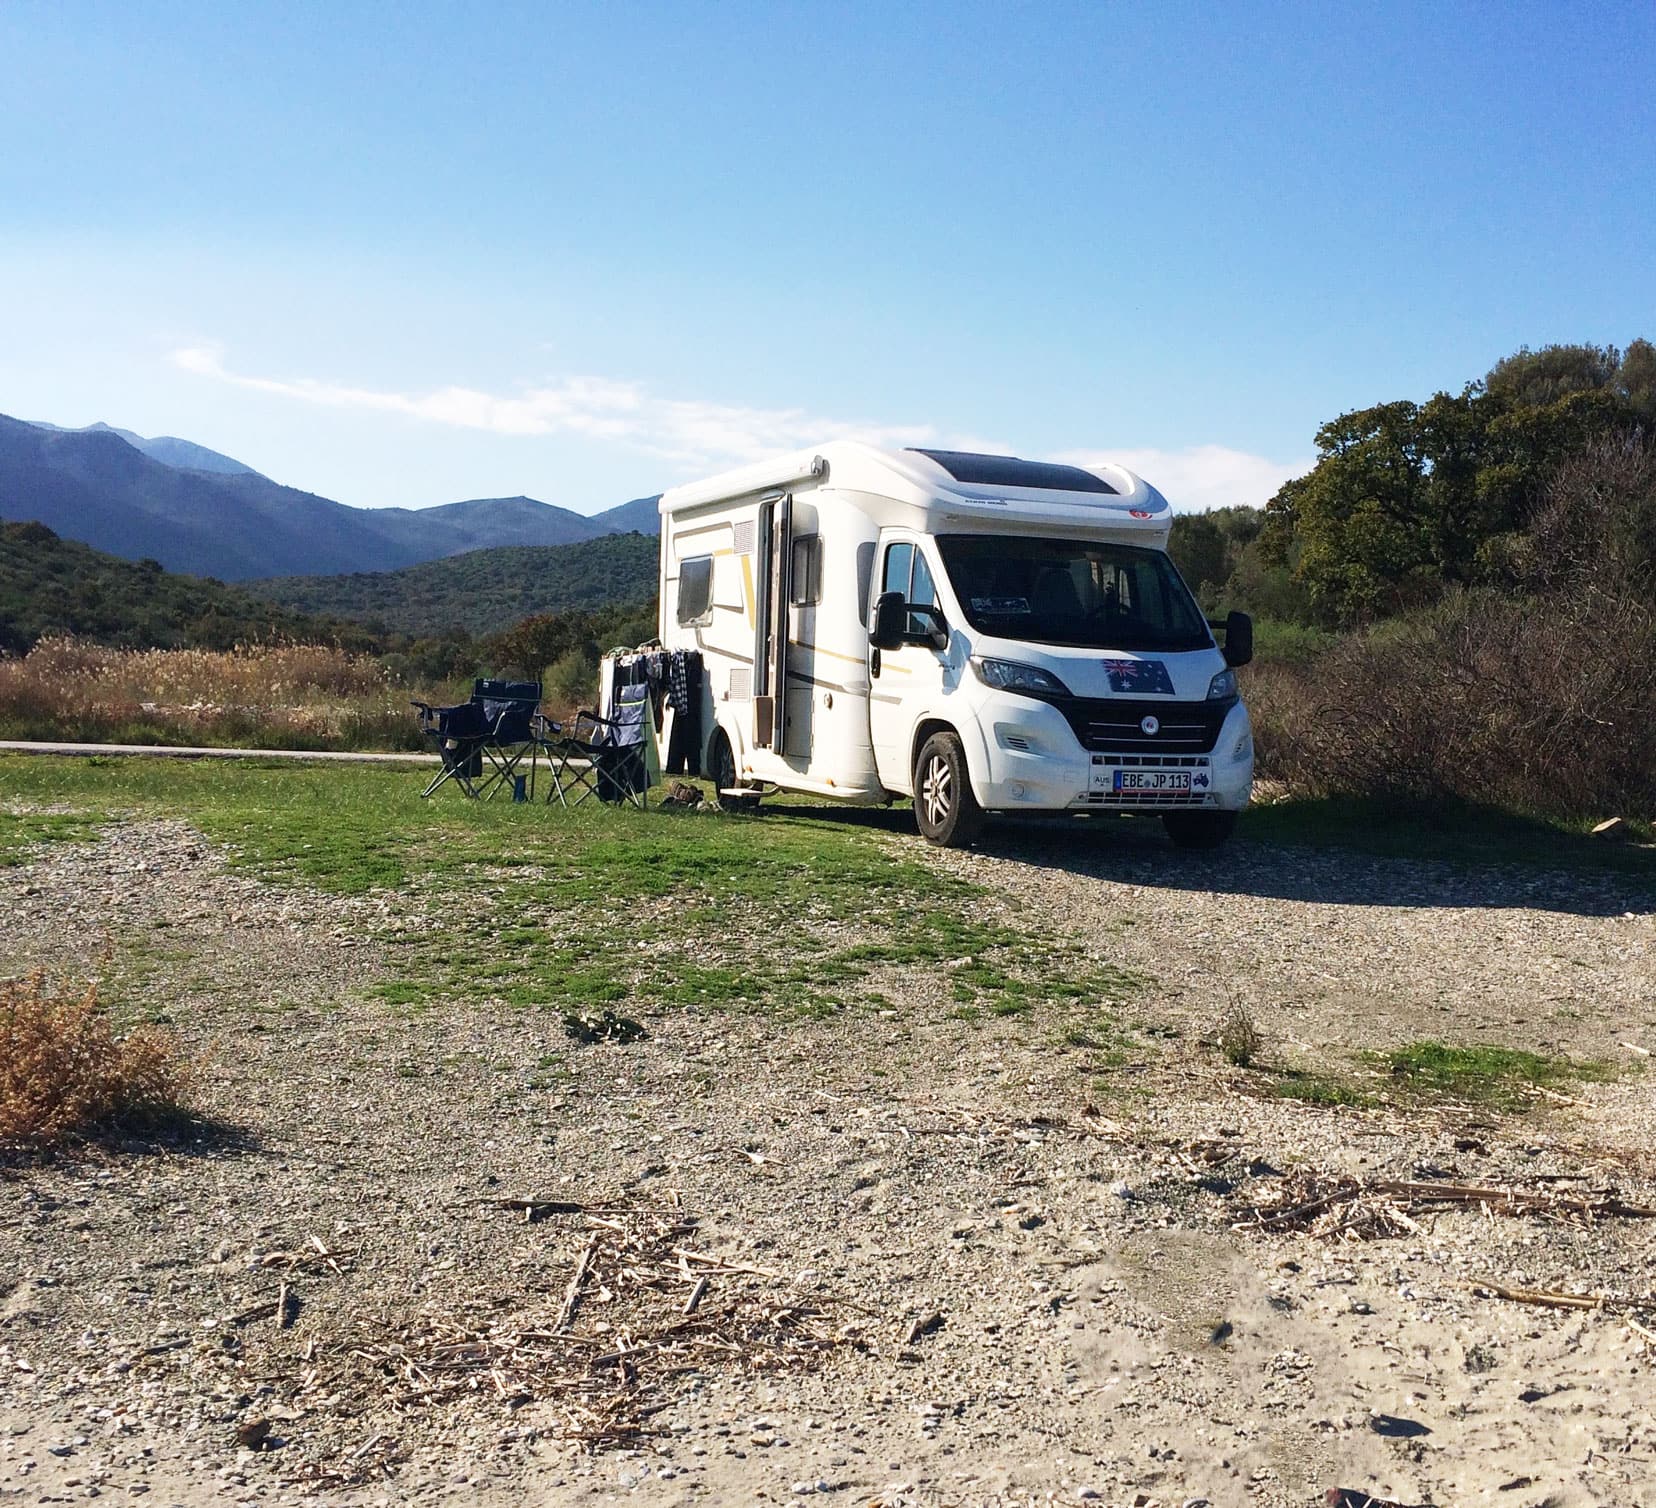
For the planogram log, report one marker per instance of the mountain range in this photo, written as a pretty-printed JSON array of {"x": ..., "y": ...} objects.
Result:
[{"x": 197, "y": 511}]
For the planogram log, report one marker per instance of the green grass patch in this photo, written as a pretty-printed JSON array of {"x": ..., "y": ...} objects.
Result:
[
  {"x": 1503, "y": 1078},
  {"x": 21, "y": 831},
  {"x": 543, "y": 907},
  {"x": 1320, "y": 1089},
  {"x": 1494, "y": 1078}
]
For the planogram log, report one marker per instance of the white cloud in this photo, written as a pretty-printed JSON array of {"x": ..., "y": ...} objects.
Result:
[
  {"x": 702, "y": 435},
  {"x": 1202, "y": 477},
  {"x": 695, "y": 432}
]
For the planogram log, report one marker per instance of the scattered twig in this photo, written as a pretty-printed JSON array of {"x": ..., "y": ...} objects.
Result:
[
  {"x": 572, "y": 1294},
  {"x": 1539, "y": 1296},
  {"x": 1344, "y": 1206}
]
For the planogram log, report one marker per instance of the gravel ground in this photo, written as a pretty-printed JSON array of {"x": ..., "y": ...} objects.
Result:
[{"x": 1019, "y": 1261}]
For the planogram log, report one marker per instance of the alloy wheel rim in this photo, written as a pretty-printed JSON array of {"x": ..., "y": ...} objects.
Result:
[{"x": 935, "y": 791}]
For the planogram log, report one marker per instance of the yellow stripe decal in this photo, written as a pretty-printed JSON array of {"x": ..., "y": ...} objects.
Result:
[{"x": 832, "y": 654}]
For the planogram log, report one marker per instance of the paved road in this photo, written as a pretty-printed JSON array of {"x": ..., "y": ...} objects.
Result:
[{"x": 170, "y": 751}]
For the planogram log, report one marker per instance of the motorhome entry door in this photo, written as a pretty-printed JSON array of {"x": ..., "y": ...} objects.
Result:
[{"x": 774, "y": 547}]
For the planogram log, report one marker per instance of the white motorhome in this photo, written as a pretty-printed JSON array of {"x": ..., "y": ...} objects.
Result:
[{"x": 982, "y": 633}]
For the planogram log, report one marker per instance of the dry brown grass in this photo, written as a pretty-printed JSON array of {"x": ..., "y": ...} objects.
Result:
[
  {"x": 66, "y": 1075},
  {"x": 280, "y": 695}
]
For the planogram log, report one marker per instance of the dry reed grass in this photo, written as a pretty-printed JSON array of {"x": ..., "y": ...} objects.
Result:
[
  {"x": 283, "y": 695},
  {"x": 65, "y": 1074}
]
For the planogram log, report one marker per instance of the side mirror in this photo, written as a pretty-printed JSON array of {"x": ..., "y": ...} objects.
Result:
[
  {"x": 1238, "y": 639},
  {"x": 890, "y": 621}
]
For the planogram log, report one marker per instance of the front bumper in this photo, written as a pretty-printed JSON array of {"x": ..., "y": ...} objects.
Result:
[{"x": 1032, "y": 761}]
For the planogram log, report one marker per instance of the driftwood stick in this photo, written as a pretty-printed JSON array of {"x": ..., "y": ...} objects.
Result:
[
  {"x": 572, "y": 1294},
  {"x": 696, "y": 1293},
  {"x": 718, "y": 1264},
  {"x": 1541, "y": 1297}
]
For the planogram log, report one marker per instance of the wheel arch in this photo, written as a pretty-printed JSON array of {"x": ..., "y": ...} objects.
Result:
[{"x": 972, "y": 747}]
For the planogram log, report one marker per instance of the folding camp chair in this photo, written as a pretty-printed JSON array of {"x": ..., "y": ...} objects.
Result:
[
  {"x": 600, "y": 756},
  {"x": 483, "y": 741}
]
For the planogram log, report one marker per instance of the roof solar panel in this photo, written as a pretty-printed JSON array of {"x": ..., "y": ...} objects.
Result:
[{"x": 1009, "y": 471}]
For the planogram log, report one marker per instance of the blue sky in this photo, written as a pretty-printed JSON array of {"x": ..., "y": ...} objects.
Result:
[{"x": 403, "y": 254}]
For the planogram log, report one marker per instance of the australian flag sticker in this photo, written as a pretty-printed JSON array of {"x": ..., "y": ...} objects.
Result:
[{"x": 1139, "y": 677}]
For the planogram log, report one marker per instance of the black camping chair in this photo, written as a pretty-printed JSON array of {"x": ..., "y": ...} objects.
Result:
[
  {"x": 483, "y": 741},
  {"x": 600, "y": 756}
]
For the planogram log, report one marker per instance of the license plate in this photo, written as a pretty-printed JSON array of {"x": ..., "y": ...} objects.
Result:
[{"x": 1151, "y": 780}]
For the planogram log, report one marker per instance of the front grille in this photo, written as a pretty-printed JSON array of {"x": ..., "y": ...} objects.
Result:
[{"x": 1115, "y": 724}]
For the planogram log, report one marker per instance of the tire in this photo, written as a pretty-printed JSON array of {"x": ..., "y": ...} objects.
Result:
[
  {"x": 945, "y": 809},
  {"x": 1199, "y": 829},
  {"x": 721, "y": 769}
]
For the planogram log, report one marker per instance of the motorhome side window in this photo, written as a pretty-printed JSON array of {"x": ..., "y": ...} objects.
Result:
[
  {"x": 906, "y": 571},
  {"x": 695, "y": 591},
  {"x": 898, "y": 563},
  {"x": 806, "y": 582},
  {"x": 922, "y": 593}
]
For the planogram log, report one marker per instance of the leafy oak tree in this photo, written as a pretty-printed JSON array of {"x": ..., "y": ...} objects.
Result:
[{"x": 1407, "y": 498}]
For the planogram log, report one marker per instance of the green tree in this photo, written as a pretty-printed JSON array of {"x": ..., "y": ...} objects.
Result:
[{"x": 1407, "y": 498}]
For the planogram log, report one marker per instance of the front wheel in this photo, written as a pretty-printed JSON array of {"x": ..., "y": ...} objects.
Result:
[
  {"x": 944, "y": 807},
  {"x": 1199, "y": 829}
]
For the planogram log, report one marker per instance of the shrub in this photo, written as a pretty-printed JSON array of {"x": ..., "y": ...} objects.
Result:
[
  {"x": 1537, "y": 705},
  {"x": 1239, "y": 1037},
  {"x": 571, "y": 682},
  {"x": 66, "y": 1075}
]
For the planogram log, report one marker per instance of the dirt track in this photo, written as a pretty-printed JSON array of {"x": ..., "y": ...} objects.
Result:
[{"x": 1033, "y": 1261}]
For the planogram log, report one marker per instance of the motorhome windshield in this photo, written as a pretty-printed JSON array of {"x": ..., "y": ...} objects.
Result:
[{"x": 1072, "y": 592}]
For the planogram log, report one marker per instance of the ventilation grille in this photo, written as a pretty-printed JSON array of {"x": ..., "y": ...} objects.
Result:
[
  {"x": 743, "y": 539},
  {"x": 1146, "y": 798},
  {"x": 1156, "y": 761},
  {"x": 741, "y": 685}
]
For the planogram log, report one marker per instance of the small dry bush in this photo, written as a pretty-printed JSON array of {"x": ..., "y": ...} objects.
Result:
[
  {"x": 66, "y": 1075},
  {"x": 286, "y": 695},
  {"x": 1238, "y": 1037},
  {"x": 1539, "y": 699}
]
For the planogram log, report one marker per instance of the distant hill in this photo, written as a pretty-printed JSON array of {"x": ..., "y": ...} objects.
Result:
[
  {"x": 166, "y": 449},
  {"x": 483, "y": 591},
  {"x": 57, "y": 586},
  {"x": 209, "y": 515},
  {"x": 642, "y": 514}
]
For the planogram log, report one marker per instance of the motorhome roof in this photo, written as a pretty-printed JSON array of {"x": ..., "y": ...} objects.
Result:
[{"x": 950, "y": 488}]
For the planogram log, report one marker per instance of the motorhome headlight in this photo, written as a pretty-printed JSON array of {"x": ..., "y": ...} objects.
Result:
[
  {"x": 1222, "y": 686},
  {"x": 1010, "y": 675}
]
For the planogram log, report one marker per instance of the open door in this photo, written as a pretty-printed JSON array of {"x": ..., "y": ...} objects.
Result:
[{"x": 770, "y": 650}]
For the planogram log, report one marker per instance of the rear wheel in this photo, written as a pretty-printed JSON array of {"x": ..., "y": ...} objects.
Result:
[
  {"x": 1199, "y": 829},
  {"x": 944, "y": 807},
  {"x": 721, "y": 770}
]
